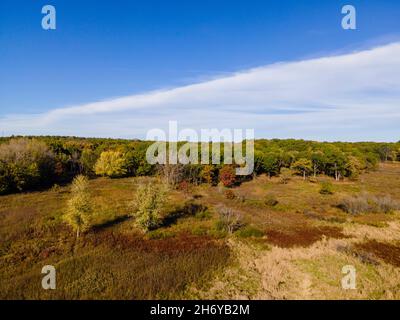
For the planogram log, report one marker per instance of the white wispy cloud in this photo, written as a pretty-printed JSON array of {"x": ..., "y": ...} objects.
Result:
[{"x": 351, "y": 97}]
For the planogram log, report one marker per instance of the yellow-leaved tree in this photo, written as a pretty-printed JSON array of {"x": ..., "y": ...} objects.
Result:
[
  {"x": 148, "y": 204},
  {"x": 111, "y": 164},
  {"x": 79, "y": 208}
]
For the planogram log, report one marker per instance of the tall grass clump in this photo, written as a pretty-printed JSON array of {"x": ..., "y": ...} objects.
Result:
[
  {"x": 229, "y": 220},
  {"x": 270, "y": 200},
  {"x": 326, "y": 188},
  {"x": 386, "y": 204},
  {"x": 365, "y": 203}
]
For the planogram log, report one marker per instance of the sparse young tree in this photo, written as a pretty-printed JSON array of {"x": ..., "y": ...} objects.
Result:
[
  {"x": 208, "y": 174},
  {"x": 147, "y": 205},
  {"x": 385, "y": 151},
  {"x": 318, "y": 160},
  {"x": 79, "y": 207},
  {"x": 111, "y": 164},
  {"x": 353, "y": 167}
]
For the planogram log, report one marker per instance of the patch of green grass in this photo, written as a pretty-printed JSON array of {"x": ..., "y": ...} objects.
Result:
[
  {"x": 249, "y": 231},
  {"x": 327, "y": 274},
  {"x": 203, "y": 215},
  {"x": 160, "y": 234}
]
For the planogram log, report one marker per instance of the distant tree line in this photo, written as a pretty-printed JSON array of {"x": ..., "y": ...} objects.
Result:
[{"x": 31, "y": 163}]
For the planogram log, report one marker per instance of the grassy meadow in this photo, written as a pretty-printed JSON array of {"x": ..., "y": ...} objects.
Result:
[{"x": 292, "y": 242}]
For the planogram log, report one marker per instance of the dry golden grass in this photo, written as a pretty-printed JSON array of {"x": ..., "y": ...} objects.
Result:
[
  {"x": 293, "y": 249},
  {"x": 305, "y": 262}
]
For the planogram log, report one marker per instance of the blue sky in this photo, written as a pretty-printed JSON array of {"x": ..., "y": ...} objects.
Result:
[{"x": 107, "y": 49}]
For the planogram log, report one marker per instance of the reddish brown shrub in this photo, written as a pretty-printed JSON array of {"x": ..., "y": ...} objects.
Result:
[
  {"x": 184, "y": 186},
  {"x": 227, "y": 176}
]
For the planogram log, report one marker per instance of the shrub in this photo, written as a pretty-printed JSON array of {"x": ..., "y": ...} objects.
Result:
[
  {"x": 148, "y": 204},
  {"x": 386, "y": 204},
  {"x": 285, "y": 176},
  {"x": 313, "y": 179},
  {"x": 326, "y": 188},
  {"x": 192, "y": 173},
  {"x": 79, "y": 208},
  {"x": 191, "y": 208},
  {"x": 365, "y": 203},
  {"x": 55, "y": 188},
  {"x": 111, "y": 164},
  {"x": 229, "y": 220},
  {"x": 229, "y": 194},
  {"x": 208, "y": 174},
  {"x": 184, "y": 186},
  {"x": 355, "y": 205},
  {"x": 227, "y": 176},
  {"x": 270, "y": 201},
  {"x": 172, "y": 174}
]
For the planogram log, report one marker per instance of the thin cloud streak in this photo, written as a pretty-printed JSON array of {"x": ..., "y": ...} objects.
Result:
[{"x": 349, "y": 97}]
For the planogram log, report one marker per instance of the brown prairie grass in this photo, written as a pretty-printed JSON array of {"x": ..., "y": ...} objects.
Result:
[
  {"x": 390, "y": 253},
  {"x": 291, "y": 248},
  {"x": 302, "y": 236},
  {"x": 110, "y": 265}
]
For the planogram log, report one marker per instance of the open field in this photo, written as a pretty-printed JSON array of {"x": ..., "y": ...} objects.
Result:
[{"x": 293, "y": 247}]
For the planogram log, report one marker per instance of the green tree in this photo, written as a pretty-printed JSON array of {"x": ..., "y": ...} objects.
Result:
[
  {"x": 111, "y": 164},
  {"x": 335, "y": 163},
  {"x": 88, "y": 160},
  {"x": 303, "y": 167},
  {"x": 270, "y": 163},
  {"x": 79, "y": 208},
  {"x": 5, "y": 178},
  {"x": 353, "y": 167},
  {"x": 137, "y": 164},
  {"x": 318, "y": 161},
  {"x": 385, "y": 151},
  {"x": 25, "y": 164}
]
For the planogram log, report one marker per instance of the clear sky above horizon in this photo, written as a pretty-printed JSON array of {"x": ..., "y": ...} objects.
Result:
[{"x": 106, "y": 49}]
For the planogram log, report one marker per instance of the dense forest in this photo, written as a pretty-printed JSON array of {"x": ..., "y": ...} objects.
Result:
[{"x": 32, "y": 163}]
